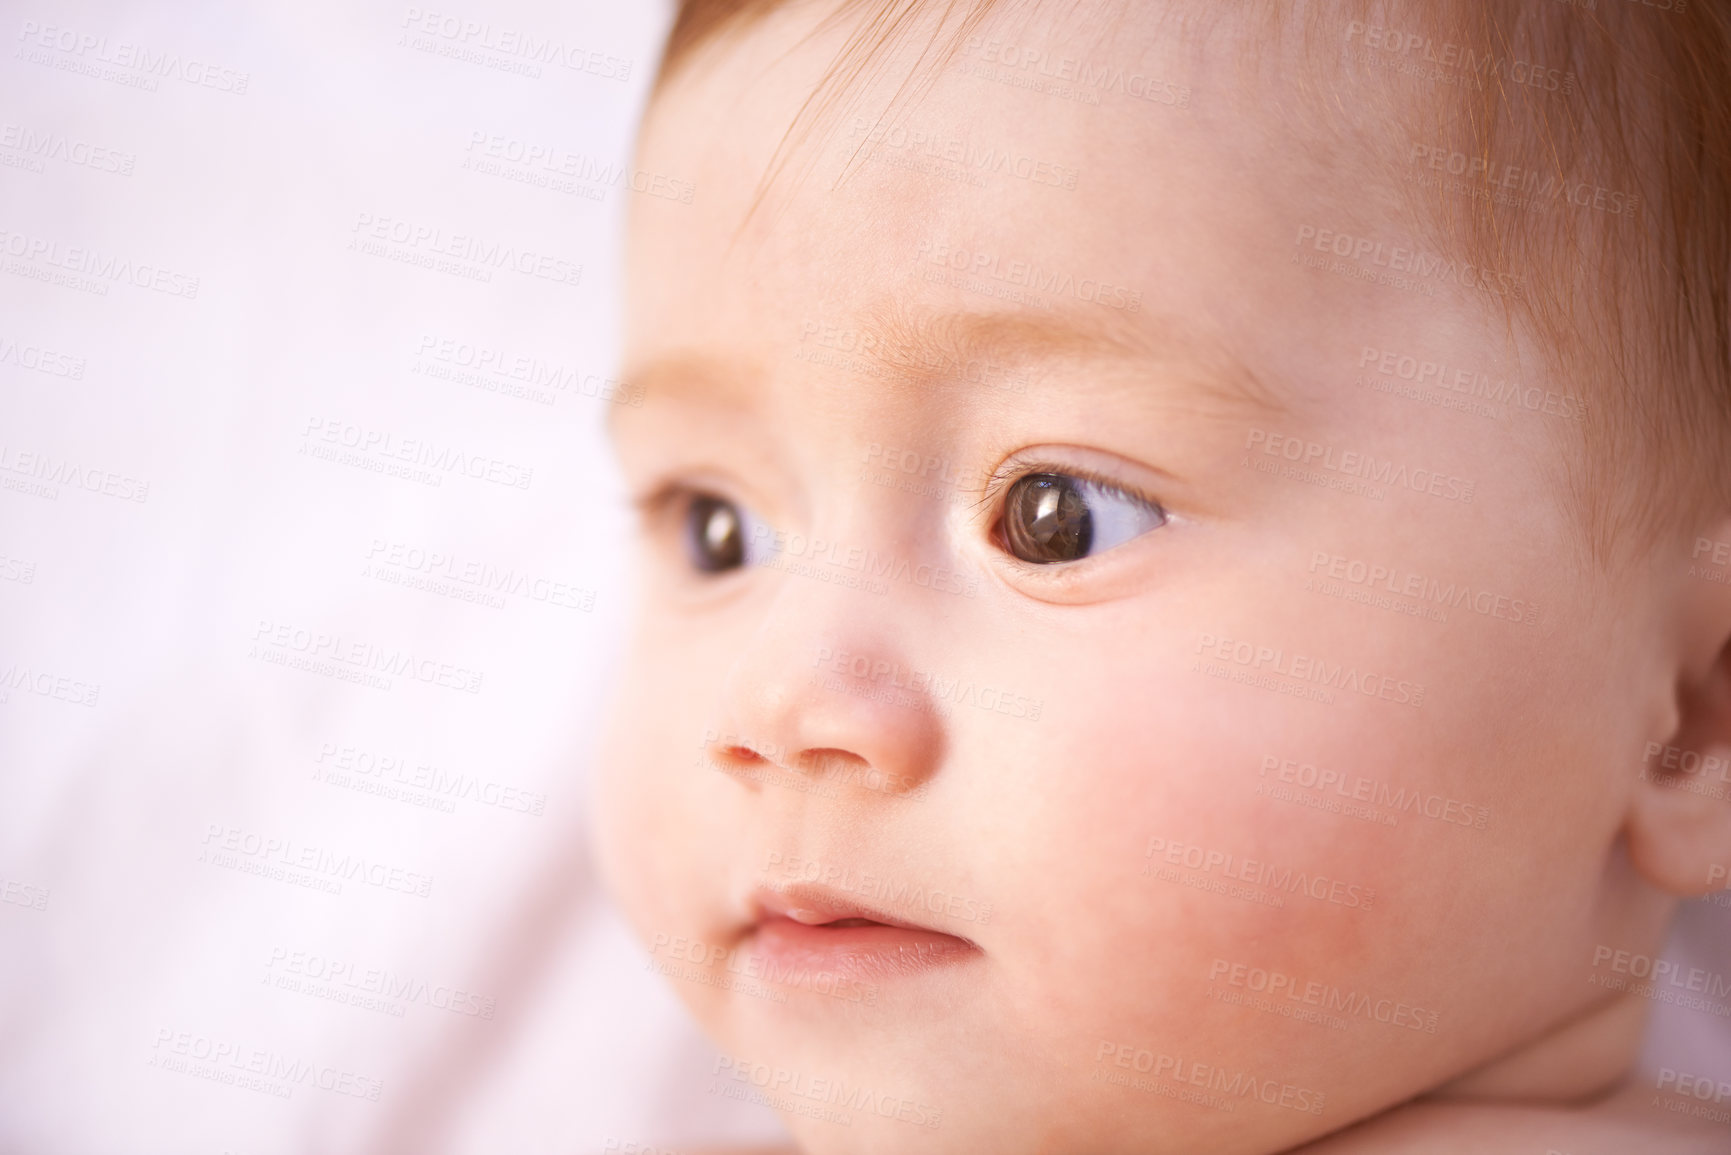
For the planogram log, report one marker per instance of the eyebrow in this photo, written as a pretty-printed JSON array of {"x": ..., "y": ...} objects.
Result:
[
  {"x": 917, "y": 349},
  {"x": 1028, "y": 339}
]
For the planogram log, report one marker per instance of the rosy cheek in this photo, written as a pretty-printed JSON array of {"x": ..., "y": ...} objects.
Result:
[{"x": 1202, "y": 864}]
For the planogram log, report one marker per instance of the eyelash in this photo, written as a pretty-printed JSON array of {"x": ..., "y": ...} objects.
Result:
[
  {"x": 651, "y": 505},
  {"x": 661, "y": 510},
  {"x": 1002, "y": 479},
  {"x": 671, "y": 496}
]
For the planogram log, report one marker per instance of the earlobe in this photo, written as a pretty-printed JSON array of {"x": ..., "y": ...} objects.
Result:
[{"x": 1679, "y": 824}]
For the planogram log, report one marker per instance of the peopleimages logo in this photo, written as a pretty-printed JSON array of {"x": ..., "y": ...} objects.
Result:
[
  {"x": 373, "y": 233},
  {"x": 350, "y": 979},
  {"x": 1686, "y": 761},
  {"x": 1309, "y": 668},
  {"x": 1070, "y": 72},
  {"x": 41, "y": 360},
  {"x": 777, "y": 549},
  {"x": 101, "y": 266},
  {"x": 1003, "y": 161},
  {"x": 1399, "y": 259},
  {"x": 1358, "y": 788},
  {"x": 1702, "y": 1087},
  {"x": 832, "y": 1092},
  {"x": 1421, "y": 589},
  {"x": 515, "y": 44},
  {"x": 1660, "y": 972},
  {"x": 926, "y": 686},
  {"x": 990, "y": 267},
  {"x": 1230, "y": 1085},
  {"x": 1328, "y": 997},
  {"x": 54, "y": 471},
  {"x": 273, "y": 640},
  {"x": 233, "y": 1059},
  {"x": 223, "y": 843},
  {"x": 1473, "y": 383},
  {"x": 1255, "y": 872},
  {"x": 1506, "y": 183},
  {"x": 40, "y": 145},
  {"x": 23, "y": 894},
  {"x": 90, "y": 51},
  {"x": 1482, "y": 67},
  {"x": 1353, "y": 463},
  {"x": 48, "y": 684},
  {"x": 328, "y": 438}
]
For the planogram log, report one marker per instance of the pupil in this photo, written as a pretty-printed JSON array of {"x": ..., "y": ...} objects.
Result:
[
  {"x": 716, "y": 541},
  {"x": 1046, "y": 519}
]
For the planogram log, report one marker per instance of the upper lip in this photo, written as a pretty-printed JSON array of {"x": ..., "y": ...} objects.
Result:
[{"x": 817, "y": 905}]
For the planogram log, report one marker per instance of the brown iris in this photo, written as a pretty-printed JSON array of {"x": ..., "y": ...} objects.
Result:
[
  {"x": 715, "y": 536},
  {"x": 1046, "y": 519}
]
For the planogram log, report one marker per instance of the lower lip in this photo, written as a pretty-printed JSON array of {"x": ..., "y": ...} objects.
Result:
[{"x": 873, "y": 953}]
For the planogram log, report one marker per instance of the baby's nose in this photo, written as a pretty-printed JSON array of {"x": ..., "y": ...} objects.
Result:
[{"x": 850, "y": 710}]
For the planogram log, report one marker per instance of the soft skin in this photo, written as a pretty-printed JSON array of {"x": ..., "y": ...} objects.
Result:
[{"x": 1155, "y": 728}]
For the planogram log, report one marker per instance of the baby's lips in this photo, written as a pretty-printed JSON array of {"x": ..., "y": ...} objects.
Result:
[
  {"x": 813, "y": 905},
  {"x": 806, "y": 929}
]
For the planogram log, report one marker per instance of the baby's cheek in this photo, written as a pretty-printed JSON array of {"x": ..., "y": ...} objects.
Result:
[
  {"x": 1296, "y": 979},
  {"x": 625, "y": 819},
  {"x": 650, "y": 762},
  {"x": 1197, "y": 901}
]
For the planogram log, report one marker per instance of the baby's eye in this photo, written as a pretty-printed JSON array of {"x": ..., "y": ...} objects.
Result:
[
  {"x": 1056, "y": 517},
  {"x": 714, "y": 534}
]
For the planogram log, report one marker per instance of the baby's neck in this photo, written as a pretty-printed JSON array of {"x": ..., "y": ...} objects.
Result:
[{"x": 1581, "y": 1059}]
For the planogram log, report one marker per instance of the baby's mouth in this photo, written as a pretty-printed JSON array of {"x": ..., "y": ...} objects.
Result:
[{"x": 806, "y": 929}]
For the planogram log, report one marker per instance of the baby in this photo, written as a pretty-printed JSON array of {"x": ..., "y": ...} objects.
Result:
[{"x": 1184, "y": 598}]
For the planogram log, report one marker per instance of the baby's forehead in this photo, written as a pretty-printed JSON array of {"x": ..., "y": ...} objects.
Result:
[
  {"x": 1114, "y": 199},
  {"x": 1090, "y": 132},
  {"x": 1091, "y": 71}
]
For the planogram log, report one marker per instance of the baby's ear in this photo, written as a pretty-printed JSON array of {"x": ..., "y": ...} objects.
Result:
[{"x": 1679, "y": 824}]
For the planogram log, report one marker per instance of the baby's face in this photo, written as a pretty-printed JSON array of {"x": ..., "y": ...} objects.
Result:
[{"x": 1107, "y": 676}]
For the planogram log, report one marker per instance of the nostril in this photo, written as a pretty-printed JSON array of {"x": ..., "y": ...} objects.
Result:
[
  {"x": 740, "y": 762},
  {"x": 827, "y": 762}
]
